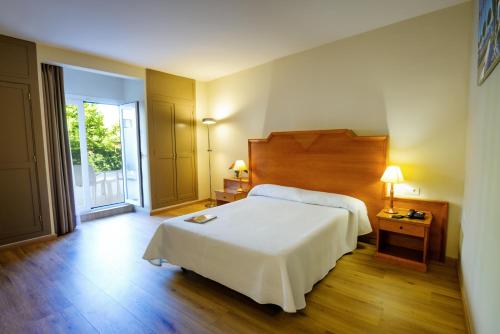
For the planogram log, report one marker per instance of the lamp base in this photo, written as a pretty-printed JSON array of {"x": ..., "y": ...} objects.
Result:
[{"x": 391, "y": 210}]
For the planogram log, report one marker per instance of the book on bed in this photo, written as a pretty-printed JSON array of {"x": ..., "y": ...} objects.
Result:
[{"x": 201, "y": 219}]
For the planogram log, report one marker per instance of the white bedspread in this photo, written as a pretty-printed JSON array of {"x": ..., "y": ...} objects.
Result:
[{"x": 272, "y": 246}]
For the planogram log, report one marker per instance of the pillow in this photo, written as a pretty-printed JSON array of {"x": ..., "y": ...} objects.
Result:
[{"x": 355, "y": 206}]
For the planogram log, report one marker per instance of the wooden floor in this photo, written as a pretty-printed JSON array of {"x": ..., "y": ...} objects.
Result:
[{"x": 94, "y": 280}]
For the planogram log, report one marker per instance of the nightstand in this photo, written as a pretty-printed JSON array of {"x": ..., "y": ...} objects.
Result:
[
  {"x": 403, "y": 241},
  {"x": 228, "y": 195},
  {"x": 235, "y": 184}
]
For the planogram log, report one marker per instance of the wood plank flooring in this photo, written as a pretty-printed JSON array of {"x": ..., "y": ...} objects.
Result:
[{"x": 94, "y": 280}]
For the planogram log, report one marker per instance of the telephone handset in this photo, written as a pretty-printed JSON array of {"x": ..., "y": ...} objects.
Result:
[{"x": 412, "y": 214}]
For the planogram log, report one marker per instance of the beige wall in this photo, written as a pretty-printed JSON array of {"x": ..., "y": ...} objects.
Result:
[
  {"x": 408, "y": 80},
  {"x": 480, "y": 249},
  {"x": 57, "y": 56}
]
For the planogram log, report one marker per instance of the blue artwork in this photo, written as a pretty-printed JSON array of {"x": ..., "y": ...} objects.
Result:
[{"x": 488, "y": 38}]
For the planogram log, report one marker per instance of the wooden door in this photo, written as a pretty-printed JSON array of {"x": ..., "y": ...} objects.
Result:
[
  {"x": 163, "y": 149},
  {"x": 185, "y": 151},
  {"x": 24, "y": 204},
  {"x": 18, "y": 180}
]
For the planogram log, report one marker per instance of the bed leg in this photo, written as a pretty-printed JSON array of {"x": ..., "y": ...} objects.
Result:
[{"x": 302, "y": 312}]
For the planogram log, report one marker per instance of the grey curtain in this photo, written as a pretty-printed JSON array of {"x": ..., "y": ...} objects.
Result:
[{"x": 58, "y": 149}]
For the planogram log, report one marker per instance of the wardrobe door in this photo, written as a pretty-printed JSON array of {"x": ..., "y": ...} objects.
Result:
[
  {"x": 163, "y": 171},
  {"x": 20, "y": 214},
  {"x": 24, "y": 202},
  {"x": 172, "y": 139},
  {"x": 185, "y": 151}
]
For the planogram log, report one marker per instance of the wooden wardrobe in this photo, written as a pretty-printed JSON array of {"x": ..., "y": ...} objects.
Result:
[
  {"x": 172, "y": 138},
  {"x": 24, "y": 201}
]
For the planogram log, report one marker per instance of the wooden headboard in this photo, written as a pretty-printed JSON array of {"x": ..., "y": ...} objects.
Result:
[{"x": 336, "y": 161}]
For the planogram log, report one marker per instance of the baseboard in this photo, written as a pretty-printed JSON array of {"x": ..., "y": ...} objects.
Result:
[
  {"x": 107, "y": 211},
  {"x": 155, "y": 211},
  {"x": 469, "y": 327},
  {"x": 44, "y": 238},
  {"x": 451, "y": 262},
  {"x": 142, "y": 210}
]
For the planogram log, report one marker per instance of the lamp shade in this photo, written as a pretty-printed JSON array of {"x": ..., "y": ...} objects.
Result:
[
  {"x": 392, "y": 174},
  {"x": 208, "y": 121},
  {"x": 239, "y": 165}
]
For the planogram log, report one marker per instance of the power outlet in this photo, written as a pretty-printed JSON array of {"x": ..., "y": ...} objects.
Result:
[
  {"x": 413, "y": 191},
  {"x": 405, "y": 190}
]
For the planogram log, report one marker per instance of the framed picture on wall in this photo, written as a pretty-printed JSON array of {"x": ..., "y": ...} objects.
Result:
[{"x": 488, "y": 38}]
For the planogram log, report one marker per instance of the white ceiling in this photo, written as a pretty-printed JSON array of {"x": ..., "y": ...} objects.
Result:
[{"x": 201, "y": 39}]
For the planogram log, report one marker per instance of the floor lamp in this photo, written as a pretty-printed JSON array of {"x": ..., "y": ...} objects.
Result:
[{"x": 209, "y": 121}]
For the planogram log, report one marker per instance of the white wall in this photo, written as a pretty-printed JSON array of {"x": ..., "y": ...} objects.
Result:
[
  {"x": 84, "y": 83},
  {"x": 480, "y": 251},
  {"x": 408, "y": 80}
]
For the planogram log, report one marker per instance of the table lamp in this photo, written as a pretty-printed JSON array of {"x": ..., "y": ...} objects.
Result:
[
  {"x": 239, "y": 167},
  {"x": 392, "y": 175}
]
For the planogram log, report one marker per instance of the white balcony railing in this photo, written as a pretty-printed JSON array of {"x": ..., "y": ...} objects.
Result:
[{"x": 105, "y": 187}]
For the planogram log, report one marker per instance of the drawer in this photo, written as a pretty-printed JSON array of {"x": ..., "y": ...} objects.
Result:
[
  {"x": 224, "y": 197},
  {"x": 401, "y": 227}
]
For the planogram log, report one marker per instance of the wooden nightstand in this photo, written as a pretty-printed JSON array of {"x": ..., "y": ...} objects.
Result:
[
  {"x": 403, "y": 241},
  {"x": 235, "y": 184},
  {"x": 228, "y": 195}
]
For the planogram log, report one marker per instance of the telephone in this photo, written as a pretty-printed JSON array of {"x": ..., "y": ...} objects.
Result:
[{"x": 412, "y": 214}]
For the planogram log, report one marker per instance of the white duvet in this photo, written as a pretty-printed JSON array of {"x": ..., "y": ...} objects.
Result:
[{"x": 272, "y": 246}]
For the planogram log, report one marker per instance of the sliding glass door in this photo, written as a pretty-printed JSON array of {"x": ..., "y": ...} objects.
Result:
[
  {"x": 105, "y": 153},
  {"x": 131, "y": 152},
  {"x": 77, "y": 141}
]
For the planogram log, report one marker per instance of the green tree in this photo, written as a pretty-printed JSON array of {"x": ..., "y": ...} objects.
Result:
[
  {"x": 74, "y": 135},
  {"x": 103, "y": 144}
]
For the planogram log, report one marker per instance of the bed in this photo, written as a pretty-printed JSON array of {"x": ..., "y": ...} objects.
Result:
[
  {"x": 277, "y": 243},
  {"x": 272, "y": 246}
]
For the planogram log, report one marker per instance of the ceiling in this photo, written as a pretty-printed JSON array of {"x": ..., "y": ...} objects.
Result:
[{"x": 201, "y": 39}]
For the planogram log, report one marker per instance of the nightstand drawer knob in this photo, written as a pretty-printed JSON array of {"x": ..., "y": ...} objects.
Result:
[{"x": 400, "y": 227}]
